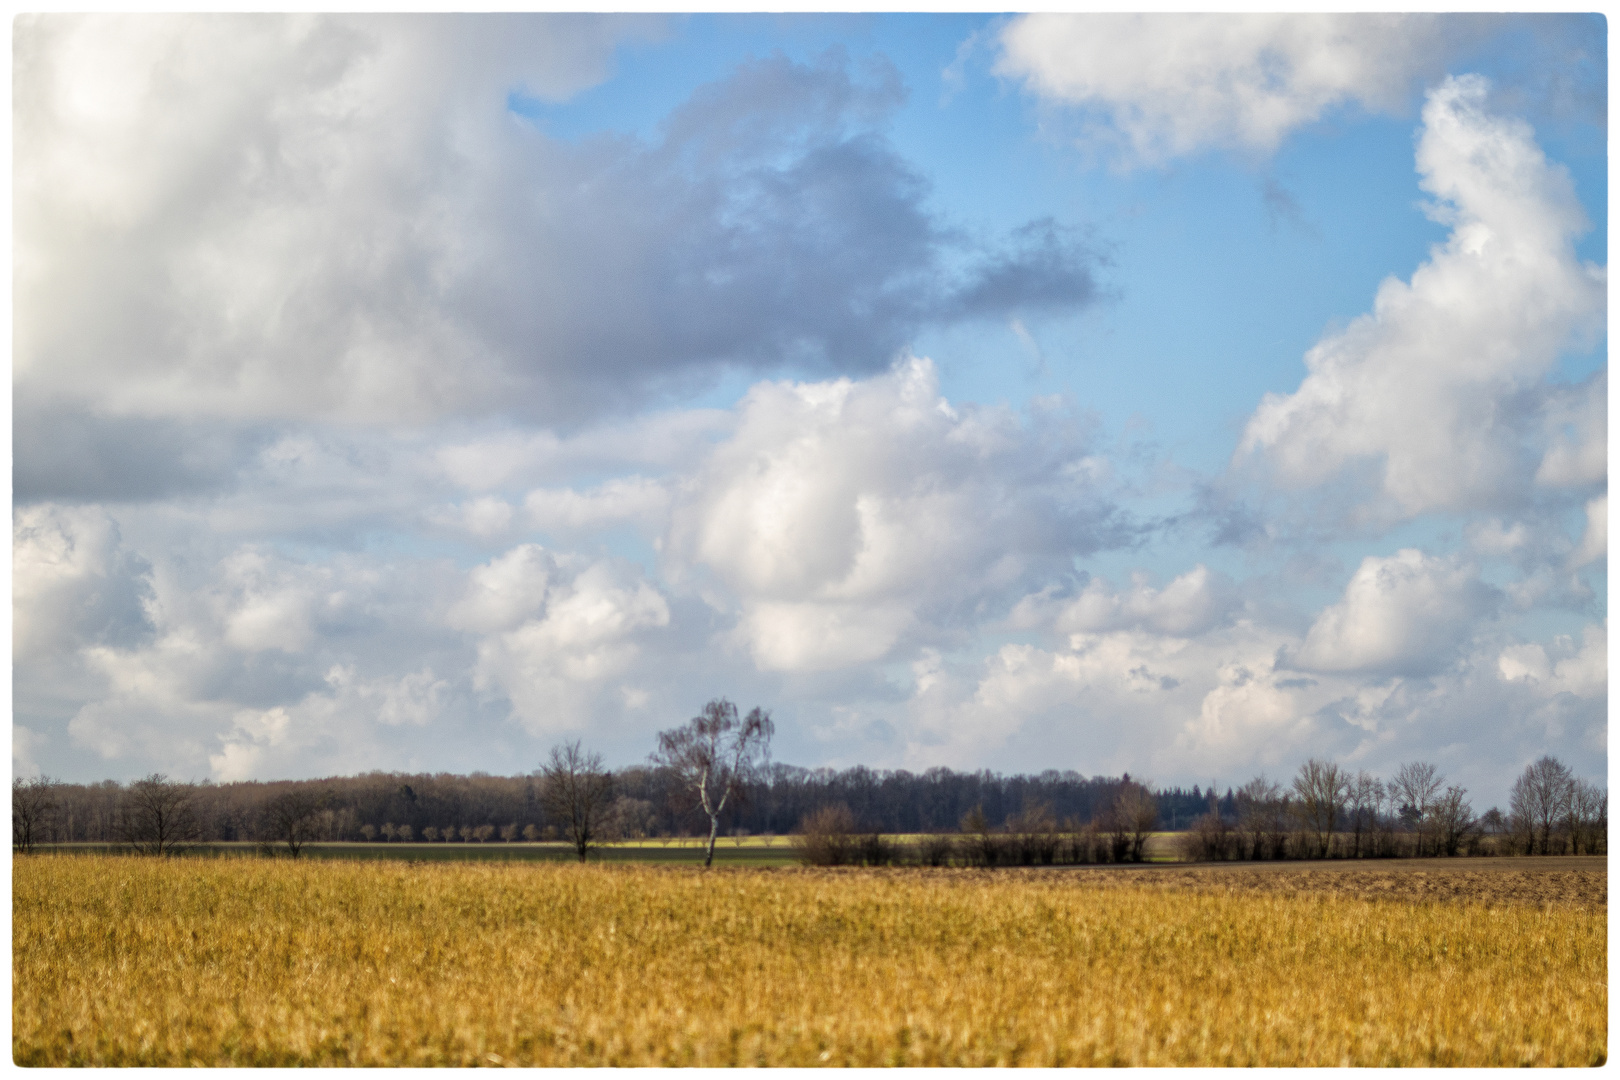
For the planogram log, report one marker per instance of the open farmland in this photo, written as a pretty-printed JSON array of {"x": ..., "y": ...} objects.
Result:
[{"x": 127, "y": 961}]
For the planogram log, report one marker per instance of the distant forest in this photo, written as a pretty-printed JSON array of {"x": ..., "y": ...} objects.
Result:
[{"x": 378, "y": 805}]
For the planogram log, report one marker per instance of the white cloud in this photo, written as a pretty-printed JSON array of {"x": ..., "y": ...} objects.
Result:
[
  {"x": 1127, "y": 699},
  {"x": 183, "y": 177},
  {"x": 1191, "y": 604},
  {"x": 556, "y": 634},
  {"x": 264, "y": 742},
  {"x": 1177, "y": 84},
  {"x": 1595, "y": 543},
  {"x": 633, "y": 500},
  {"x": 25, "y": 744},
  {"x": 1427, "y": 390},
  {"x": 1406, "y": 614},
  {"x": 1577, "y": 421},
  {"x": 506, "y": 590},
  {"x": 845, "y": 517},
  {"x": 1583, "y": 672},
  {"x": 270, "y": 606}
]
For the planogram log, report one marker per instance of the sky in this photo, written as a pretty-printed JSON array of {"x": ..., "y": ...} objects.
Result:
[{"x": 1180, "y": 395}]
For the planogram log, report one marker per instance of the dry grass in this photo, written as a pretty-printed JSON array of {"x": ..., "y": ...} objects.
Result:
[{"x": 121, "y": 961}]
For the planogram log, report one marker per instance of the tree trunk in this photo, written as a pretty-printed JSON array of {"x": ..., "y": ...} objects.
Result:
[{"x": 714, "y": 830}]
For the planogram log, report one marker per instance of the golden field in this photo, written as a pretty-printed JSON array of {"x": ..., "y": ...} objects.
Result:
[{"x": 128, "y": 961}]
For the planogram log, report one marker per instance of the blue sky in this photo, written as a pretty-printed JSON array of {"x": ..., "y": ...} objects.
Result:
[{"x": 1181, "y": 395}]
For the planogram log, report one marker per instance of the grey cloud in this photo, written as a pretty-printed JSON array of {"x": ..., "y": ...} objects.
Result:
[
  {"x": 336, "y": 219},
  {"x": 63, "y": 454},
  {"x": 1046, "y": 267}
]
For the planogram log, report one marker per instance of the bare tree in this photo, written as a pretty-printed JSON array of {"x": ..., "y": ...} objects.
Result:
[
  {"x": 1034, "y": 834},
  {"x": 33, "y": 802},
  {"x": 575, "y": 791},
  {"x": 1138, "y": 812},
  {"x": 1588, "y": 814},
  {"x": 1363, "y": 798},
  {"x": 158, "y": 816},
  {"x": 1320, "y": 786},
  {"x": 1209, "y": 839},
  {"x": 1539, "y": 799},
  {"x": 1258, "y": 803},
  {"x": 715, "y": 755},
  {"x": 1453, "y": 819},
  {"x": 293, "y": 818},
  {"x": 630, "y": 818},
  {"x": 980, "y": 846},
  {"x": 1415, "y": 785}
]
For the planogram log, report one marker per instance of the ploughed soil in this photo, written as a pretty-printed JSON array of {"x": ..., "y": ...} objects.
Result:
[{"x": 1566, "y": 880}]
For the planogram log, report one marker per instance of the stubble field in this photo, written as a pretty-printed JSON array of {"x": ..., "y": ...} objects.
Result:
[{"x": 127, "y": 961}]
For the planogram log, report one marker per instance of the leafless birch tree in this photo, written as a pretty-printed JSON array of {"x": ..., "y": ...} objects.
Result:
[{"x": 714, "y": 755}]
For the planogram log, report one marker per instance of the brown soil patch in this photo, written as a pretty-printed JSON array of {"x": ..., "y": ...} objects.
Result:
[{"x": 1583, "y": 885}]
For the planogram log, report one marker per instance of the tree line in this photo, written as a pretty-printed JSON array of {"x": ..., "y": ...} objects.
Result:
[
  {"x": 711, "y": 777},
  {"x": 1329, "y": 812}
]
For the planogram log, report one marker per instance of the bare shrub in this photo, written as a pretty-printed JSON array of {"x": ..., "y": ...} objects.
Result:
[
  {"x": 980, "y": 847},
  {"x": 827, "y": 837},
  {"x": 875, "y": 849},
  {"x": 936, "y": 849},
  {"x": 1210, "y": 839},
  {"x": 1032, "y": 836}
]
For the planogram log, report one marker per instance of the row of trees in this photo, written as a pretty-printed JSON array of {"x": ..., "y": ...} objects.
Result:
[
  {"x": 1034, "y": 836},
  {"x": 713, "y": 775},
  {"x": 705, "y": 765},
  {"x": 1330, "y": 812},
  {"x": 647, "y": 800}
]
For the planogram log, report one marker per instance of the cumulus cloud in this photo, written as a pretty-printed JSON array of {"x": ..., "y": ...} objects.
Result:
[
  {"x": 180, "y": 181},
  {"x": 1126, "y": 699},
  {"x": 1193, "y": 603},
  {"x": 1407, "y": 614},
  {"x": 1169, "y": 85},
  {"x": 262, "y": 742},
  {"x": 1435, "y": 394},
  {"x": 1564, "y": 668},
  {"x": 1226, "y": 704},
  {"x": 844, "y": 517},
  {"x": 73, "y": 582},
  {"x": 554, "y": 630},
  {"x": 1595, "y": 543}
]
